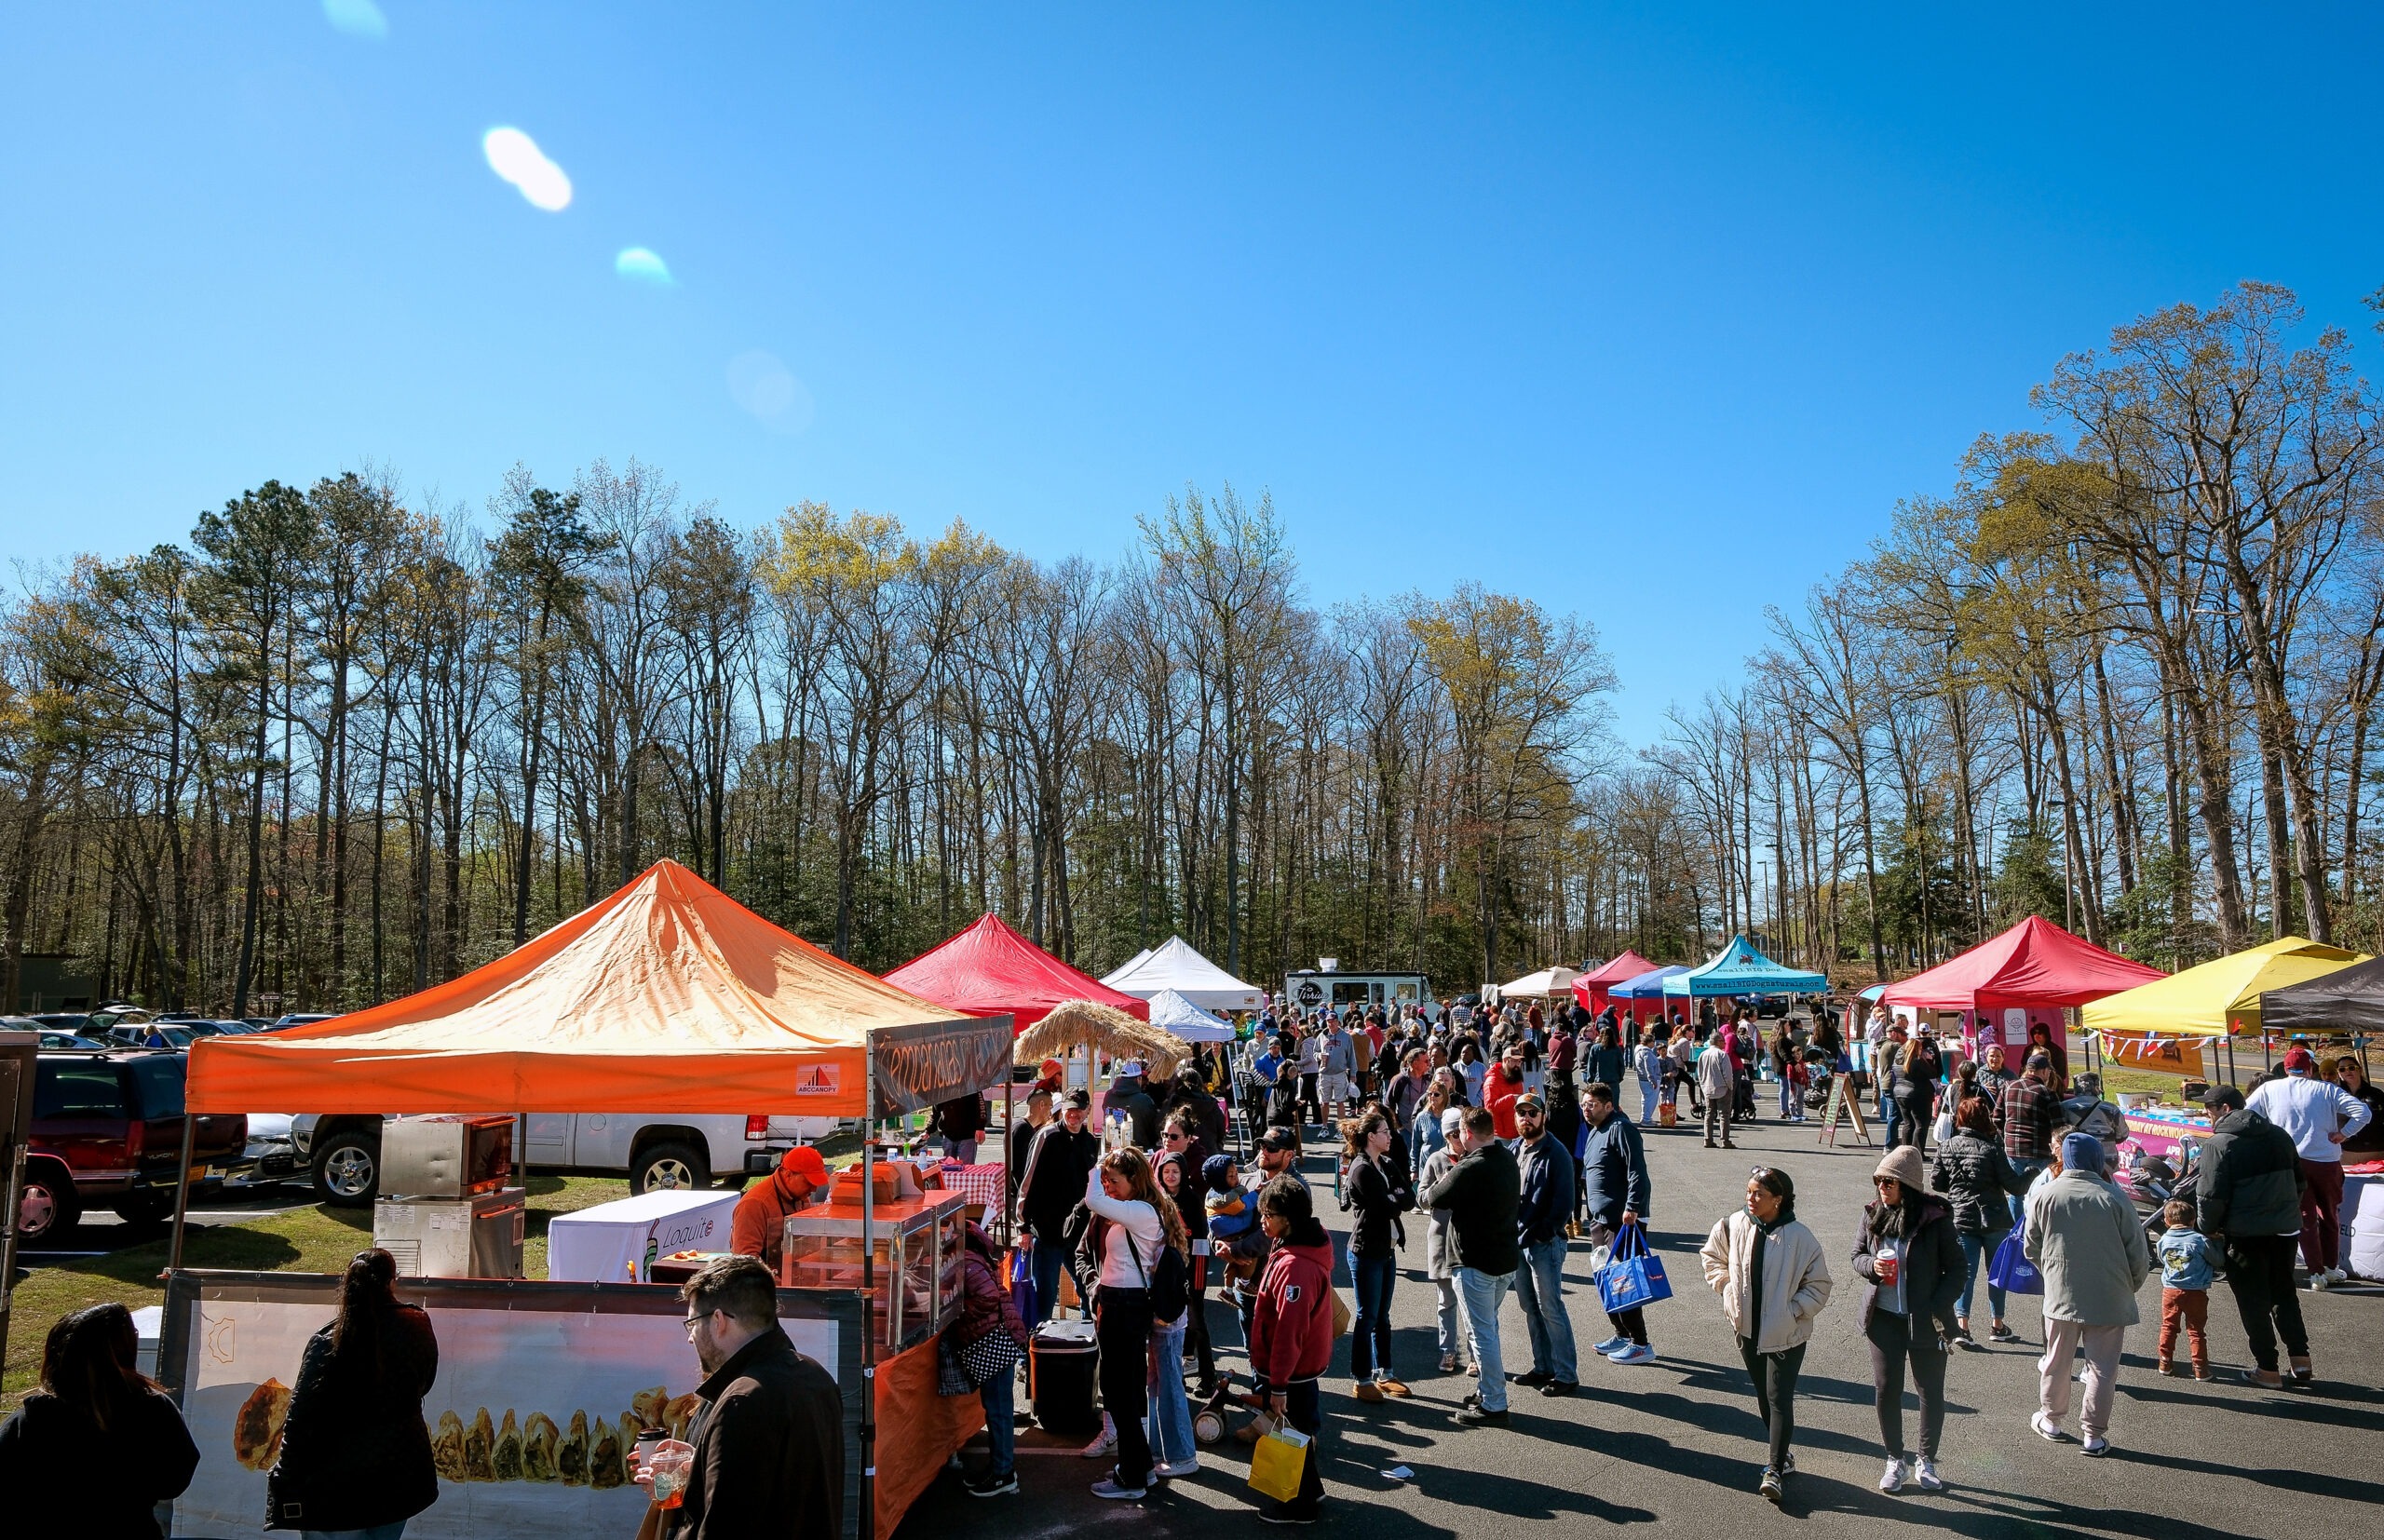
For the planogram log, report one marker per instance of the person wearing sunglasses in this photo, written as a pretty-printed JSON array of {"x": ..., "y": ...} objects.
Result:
[{"x": 1773, "y": 1282}]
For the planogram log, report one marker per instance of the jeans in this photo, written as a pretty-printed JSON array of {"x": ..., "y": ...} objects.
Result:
[
  {"x": 2027, "y": 1169},
  {"x": 1480, "y": 1294},
  {"x": 1894, "y": 1339},
  {"x": 2322, "y": 1214},
  {"x": 2260, "y": 1270},
  {"x": 1445, "y": 1316},
  {"x": 1370, "y": 1335},
  {"x": 1978, "y": 1250},
  {"x": 961, "y": 1150},
  {"x": 2063, "y": 1340},
  {"x": 1787, "y": 1098},
  {"x": 378, "y": 1531},
  {"x": 1122, "y": 1331},
  {"x": 998, "y": 1396},
  {"x": 1539, "y": 1288},
  {"x": 1170, "y": 1414},
  {"x": 1775, "y": 1393},
  {"x": 1047, "y": 1257}
]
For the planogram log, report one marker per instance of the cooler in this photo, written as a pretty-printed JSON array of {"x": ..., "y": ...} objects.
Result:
[{"x": 1062, "y": 1376}]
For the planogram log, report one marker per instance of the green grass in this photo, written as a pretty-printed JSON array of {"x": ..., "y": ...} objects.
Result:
[{"x": 315, "y": 1238}]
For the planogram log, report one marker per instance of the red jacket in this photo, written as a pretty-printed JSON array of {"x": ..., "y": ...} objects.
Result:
[
  {"x": 1499, "y": 1095},
  {"x": 1291, "y": 1330}
]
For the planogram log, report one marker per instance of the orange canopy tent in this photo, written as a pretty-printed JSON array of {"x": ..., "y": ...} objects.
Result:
[
  {"x": 668, "y": 996},
  {"x": 990, "y": 967}
]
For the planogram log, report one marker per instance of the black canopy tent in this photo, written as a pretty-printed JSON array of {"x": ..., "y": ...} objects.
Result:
[{"x": 2347, "y": 1003}]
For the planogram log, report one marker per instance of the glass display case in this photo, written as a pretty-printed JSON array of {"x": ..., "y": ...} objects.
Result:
[{"x": 915, "y": 1243}]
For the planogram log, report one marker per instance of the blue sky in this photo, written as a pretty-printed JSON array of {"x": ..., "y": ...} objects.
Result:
[{"x": 1641, "y": 312}]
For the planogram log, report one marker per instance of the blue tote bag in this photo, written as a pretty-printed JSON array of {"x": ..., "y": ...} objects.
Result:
[
  {"x": 1633, "y": 1275},
  {"x": 2010, "y": 1270}
]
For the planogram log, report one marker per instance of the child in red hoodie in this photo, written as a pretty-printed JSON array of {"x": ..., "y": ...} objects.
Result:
[{"x": 1291, "y": 1330}]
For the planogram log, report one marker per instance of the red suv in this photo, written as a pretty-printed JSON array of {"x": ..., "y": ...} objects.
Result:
[{"x": 108, "y": 1131}]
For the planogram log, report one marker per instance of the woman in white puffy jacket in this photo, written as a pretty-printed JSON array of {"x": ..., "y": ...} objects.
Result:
[{"x": 1773, "y": 1281}]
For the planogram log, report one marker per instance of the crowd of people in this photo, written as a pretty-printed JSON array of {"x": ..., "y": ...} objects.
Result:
[{"x": 1504, "y": 1135}]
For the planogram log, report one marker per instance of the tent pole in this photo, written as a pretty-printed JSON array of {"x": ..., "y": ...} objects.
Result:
[
  {"x": 182, "y": 1192},
  {"x": 868, "y": 1287},
  {"x": 1009, "y": 1126}
]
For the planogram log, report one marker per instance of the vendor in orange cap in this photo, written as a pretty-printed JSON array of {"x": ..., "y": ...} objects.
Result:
[
  {"x": 1050, "y": 1076},
  {"x": 758, "y": 1228}
]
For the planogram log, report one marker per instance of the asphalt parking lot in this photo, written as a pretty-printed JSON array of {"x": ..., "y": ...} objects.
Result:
[
  {"x": 99, "y": 1232},
  {"x": 1677, "y": 1443}
]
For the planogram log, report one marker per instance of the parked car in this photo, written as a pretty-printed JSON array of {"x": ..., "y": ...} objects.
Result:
[
  {"x": 299, "y": 1018},
  {"x": 150, "y": 1034},
  {"x": 343, "y": 1151},
  {"x": 69, "y": 1040},
  {"x": 269, "y": 1156},
  {"x": 107, "y": 1130},
  {"x": 75, "y": 1021}
]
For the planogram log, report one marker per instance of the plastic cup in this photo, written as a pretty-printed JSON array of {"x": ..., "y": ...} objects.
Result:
[{"x": 1886, "y": 1267}]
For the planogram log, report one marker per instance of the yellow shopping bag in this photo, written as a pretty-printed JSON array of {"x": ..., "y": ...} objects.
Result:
[{"x": 1276, "y": 1463}]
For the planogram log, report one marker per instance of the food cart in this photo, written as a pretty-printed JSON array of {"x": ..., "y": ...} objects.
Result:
[{"x": 667, "y": 996}]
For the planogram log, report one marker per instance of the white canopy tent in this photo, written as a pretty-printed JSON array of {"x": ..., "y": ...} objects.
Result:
[
  {"x": 1176, "y": 967},
  {"x": 1171, "y": 1012},
  {"x": 1129, "y": 966},
  {"x": 1545, "y": 984}
]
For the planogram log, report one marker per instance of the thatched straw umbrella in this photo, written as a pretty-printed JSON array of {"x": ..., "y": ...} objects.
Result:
[{"x": 1079, "y": 1023}]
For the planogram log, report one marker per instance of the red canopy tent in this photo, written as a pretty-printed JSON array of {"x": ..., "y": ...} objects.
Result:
[
  {"x": 990, "y": 968},
  {"x": 2028, "y": 974},
  {"x": 1590, "y": 988}
]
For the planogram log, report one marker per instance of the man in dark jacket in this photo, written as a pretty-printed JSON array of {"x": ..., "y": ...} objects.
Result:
[
  {"x": 769, "y": 1437},
  {"x": 1483, "y": 1194},
  {"x": 1616, "y": 1190},
  {"x": 1128, "y": 1099},
  {"x": 2249, "y": 1199},
  {"x": 1064, "y": 1155},
  {"x": 1546, "y": 1169}
]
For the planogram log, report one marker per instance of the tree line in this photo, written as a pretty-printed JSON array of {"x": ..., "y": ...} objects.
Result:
[
  {"x": 2123, "y": 675},
  {"x": 342, "y": 744}
]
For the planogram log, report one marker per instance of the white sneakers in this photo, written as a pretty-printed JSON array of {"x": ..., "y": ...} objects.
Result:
[
  {"x": 2336, "y": 1274},
  {"x": 1104, "y": 1442},
  {"x": 1188, "y": 1465},
  {"x": 2094, "y": 1446},
  {"x": 1893, "y": 1479},
  {"x": 1925, "y": 1472},
  {"x": 2321, "y": 1279}
]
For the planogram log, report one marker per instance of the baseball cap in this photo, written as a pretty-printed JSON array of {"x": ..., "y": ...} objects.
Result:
[
  {"x": 2039, "y": 1061},
  {"x": 803, "y": 1161},
  {"x": 2300, "y": 1061},
  {"x": 2222, "y": 1095},
  {"x": 1278, "y": 1138},
  {"x": 1128, "y": 1067},
  {"x": 1077, "y": 1097}
]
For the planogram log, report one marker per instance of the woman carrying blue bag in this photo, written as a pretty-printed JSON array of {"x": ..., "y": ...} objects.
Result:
[{"x": 1974, "y": 1176}]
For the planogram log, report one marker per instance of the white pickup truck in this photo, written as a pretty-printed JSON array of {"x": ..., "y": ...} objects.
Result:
[{"x": 343, "y": 1151}]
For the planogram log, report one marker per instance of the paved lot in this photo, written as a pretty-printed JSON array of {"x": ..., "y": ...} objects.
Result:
[
  {"x": 1676, "y": 1443},
  {"x": 99, "y": 1233}
]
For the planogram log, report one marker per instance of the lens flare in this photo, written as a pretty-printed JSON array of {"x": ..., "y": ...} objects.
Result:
[
  {"x": 357, "y": 19},
  {"x": 642, "y": 266},
  {"x": 769, "y": 391},
  {"x": 516, "y": 156}
]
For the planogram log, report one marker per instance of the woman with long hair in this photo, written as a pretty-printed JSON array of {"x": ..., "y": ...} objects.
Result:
[
  {"x": 1376, "y": 1190},
  {"x": 1133, "y": 1222},
  {"x": 1773, "y": 1281},
  {"x": 96, "y": 1448},
  {"x": 355, "y": 1452},
  {"x": 2042, "y": 1040},
  {"x": 1974, "y": 1175}
]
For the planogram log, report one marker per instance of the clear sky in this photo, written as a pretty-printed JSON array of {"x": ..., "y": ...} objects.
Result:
[{"x": 1650, "y": 311}]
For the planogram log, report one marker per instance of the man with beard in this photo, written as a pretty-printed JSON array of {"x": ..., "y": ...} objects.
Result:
[{"x": 768, "y": 1454}]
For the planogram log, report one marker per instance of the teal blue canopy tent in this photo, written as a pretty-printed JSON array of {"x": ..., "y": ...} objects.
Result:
[{"x": 1740, "y": 969}]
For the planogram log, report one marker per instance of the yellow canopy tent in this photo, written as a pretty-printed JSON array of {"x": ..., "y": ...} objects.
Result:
[{"x": 2218, "y": 997}]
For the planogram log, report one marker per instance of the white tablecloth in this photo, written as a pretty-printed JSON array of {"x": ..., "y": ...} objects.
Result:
[{"x": 601, "y": 1245}]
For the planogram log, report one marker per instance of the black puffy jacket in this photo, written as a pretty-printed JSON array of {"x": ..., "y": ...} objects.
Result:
[
  {"x": 2251, "y": 1179},
  {"x": 1974, "y": 1174},
  {"x": 1932, "y": 1264},
  {"x": 355, "y": 1451}
]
